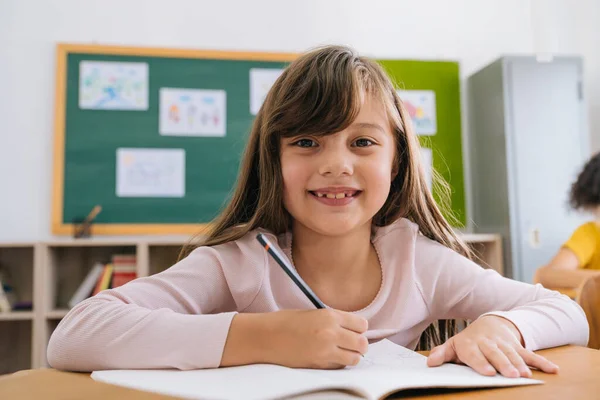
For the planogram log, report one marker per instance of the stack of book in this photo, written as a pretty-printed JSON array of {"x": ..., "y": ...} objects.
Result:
[{"x": 121, "y": 269}]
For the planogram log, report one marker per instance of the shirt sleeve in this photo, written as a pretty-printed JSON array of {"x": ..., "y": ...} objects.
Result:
[
  {"x": 583, "y": 243},
  {"x": 179, "y": 318},
  {"x": 456, "y": 288}
]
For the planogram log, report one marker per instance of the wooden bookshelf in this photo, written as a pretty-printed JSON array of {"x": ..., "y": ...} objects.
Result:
[
  {"x": 48, "y": 273},
  {"x": 487, "y": 249}
]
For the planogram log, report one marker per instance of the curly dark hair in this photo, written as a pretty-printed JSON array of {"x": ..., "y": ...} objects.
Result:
[{"x": 585, "y": 192}]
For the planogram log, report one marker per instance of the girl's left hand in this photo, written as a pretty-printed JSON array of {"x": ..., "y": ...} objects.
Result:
[{"x": 488, "y": 345}]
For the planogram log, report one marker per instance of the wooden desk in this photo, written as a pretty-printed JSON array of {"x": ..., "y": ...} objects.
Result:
[{"x": 577, "y": 379}]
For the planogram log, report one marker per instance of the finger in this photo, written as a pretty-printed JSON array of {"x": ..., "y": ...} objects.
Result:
[
  {"x": 515, "y": 359},
  {"x": 498, "y": 359},
  {"x": 333, "y": 366},
  {"x": 474, "y": 358},
  {"x": 537, "y": 361},
  {"x": 352, "y": 341},
  {"x": 441, "y": 354},
  {"x": 352, "y": 322},
  {"x": 346, "y": 357}
]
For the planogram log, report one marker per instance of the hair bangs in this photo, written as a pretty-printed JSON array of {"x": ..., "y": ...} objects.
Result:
[
  {"x": 325, "y": 108},
  {"x": 325, "y": 95}
]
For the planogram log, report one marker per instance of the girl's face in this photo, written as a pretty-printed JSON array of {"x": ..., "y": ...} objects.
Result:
[{"x": 336, "y": 183}]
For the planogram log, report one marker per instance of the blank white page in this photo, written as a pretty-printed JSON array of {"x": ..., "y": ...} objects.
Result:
[
  {"x": 258, "y": 381},
  {"x": 389, "y": 367}
]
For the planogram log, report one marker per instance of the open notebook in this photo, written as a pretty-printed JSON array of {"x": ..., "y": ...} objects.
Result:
[{"x": 386, "y": 368}]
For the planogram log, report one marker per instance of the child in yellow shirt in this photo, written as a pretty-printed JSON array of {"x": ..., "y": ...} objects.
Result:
[
  {"x": 585, "y": 245},
  {"x": 579, "y": 257}
]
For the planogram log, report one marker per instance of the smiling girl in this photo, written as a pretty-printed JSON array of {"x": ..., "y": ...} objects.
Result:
[{"x": 332, "y": 176}]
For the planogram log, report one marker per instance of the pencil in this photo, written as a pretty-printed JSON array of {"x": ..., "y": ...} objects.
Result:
[
  {"x": 93, "y": 214},
  {"x": 262, "y": 239}
]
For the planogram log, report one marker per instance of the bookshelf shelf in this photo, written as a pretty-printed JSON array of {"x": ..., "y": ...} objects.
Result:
[
  {"x": 17, "y": 316},
  {"x": 56, "y": 314},
  {"x": 49, "y": 273}
]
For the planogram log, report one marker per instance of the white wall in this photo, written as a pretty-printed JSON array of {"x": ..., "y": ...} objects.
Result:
[
  {"x": 472, "y": 32},
  {"x": 573, "y": 27}
]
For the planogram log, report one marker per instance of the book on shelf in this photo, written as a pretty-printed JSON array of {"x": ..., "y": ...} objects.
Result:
[
  {"x": 8, "y": 297},
  {"x": 4, "y": 303},
  {"x": 121, "y": 269},
  {"x": 103, "y": 282},
  {"x": 124, "y": 269},
  {"x": 87, "y": 286}
]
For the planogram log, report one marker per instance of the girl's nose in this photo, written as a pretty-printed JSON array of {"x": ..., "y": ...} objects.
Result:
[{"x": 336, "y": 163}]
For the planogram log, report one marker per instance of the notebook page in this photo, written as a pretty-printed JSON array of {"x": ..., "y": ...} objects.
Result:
[
  {"x": 388, "y": 367},
  {"x": 258, "y": 381}
]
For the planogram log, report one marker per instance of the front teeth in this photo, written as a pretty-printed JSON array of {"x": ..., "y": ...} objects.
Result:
[{"x": 333, "y": 195}]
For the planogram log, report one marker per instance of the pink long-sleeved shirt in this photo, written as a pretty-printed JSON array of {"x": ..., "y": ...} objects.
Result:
[{"x": 180, "y": 318}]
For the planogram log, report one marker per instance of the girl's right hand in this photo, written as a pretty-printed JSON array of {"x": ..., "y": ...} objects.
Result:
[{"x": 324, "y": 339}]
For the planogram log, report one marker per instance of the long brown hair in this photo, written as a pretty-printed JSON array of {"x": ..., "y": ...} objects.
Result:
[{"x": 321, "y": 93}]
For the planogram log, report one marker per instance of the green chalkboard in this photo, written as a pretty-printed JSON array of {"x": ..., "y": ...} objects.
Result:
[
  {"x": 87, "y": 140},
  {"x": 442, "y": 78},
  {"x": 92, "y": 137}
]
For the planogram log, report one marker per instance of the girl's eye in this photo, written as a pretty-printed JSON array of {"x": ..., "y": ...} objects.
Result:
[
  {"x": 363, "y": 142},
  {"x": 305, "y": 143}
]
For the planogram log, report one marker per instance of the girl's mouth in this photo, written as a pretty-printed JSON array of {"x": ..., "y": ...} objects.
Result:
[{"x": 335, "y": 198}]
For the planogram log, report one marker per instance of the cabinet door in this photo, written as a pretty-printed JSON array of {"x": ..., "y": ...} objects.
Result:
[{"x": 547, "y": 147}]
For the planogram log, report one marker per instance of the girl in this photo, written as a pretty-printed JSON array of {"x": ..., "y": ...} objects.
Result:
[
  {"x": 579, "y": 257},
  {"x": 332, "y": 175}
]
